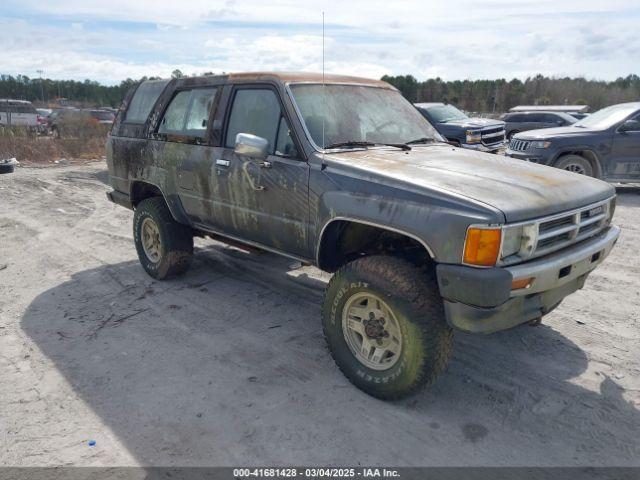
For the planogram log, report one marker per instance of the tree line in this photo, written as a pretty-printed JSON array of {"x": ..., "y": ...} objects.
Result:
[
  {"x": 472, "y": 95},
  {"x": 500, "y": 95},
  {"x": 87, "y": 93}
]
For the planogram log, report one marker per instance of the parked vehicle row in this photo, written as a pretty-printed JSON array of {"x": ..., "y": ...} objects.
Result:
[
  {"x": 64, "y": 120},
  {"x": 484, "y": 134},
  {"x": 345, "y": 174},
  {"x": 605, "y": 144},
  {"x": 45, "y": 120},
  {"x": 522, "y": 121},
  {"x": 18, "y": 113},
  {"x": 576, "y": 111}
]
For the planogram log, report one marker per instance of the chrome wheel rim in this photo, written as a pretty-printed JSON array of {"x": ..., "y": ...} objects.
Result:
[
  {"x": 150, "y": 236},
  {"x": 371, "y": 331},
  {"x": 575, "y": 168}
]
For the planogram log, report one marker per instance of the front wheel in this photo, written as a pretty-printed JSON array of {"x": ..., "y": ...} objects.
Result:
[
  {"x": 576, "y": 164},
  {"x": 384, "y": 323},
  {"x": 164, "y": 246}
]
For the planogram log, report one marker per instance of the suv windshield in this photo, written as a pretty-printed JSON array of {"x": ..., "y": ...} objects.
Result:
[
  {"x": 353, "y": 113},
  {"x": 607, "y": 117},
  {"x": 445, "y": 113}
]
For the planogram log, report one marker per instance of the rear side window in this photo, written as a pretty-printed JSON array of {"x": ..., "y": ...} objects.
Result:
[
  {"x": 143, "y": 100},
  {"x": 255, "y": 111},
  {"x": 201, "y": 103},
  {"x": 188, "y": 113},
  {"x": 173, "y": 120}
]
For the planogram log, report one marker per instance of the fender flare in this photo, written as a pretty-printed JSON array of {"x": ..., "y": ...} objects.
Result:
[
  {"x": 173, "y": 202},
  {"x": 371, "y": 224}
]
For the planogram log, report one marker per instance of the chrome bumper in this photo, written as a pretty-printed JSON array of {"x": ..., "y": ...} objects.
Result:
[
  {"x": 481, "y": 147},
  {"x": 564, "y": 266}
]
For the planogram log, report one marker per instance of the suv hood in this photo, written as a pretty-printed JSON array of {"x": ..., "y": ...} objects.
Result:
[
  {"x": 545, "y": 133},
  {"x": 475, "y": 123},
  {"x": 521, "y": 190}
]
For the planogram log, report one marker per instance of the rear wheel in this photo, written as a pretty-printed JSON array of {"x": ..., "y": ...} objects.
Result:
[
  {"x": 576, "y": 164},
  {"x": 384, "y": 322},
  {"x": 164, "y": 246}
]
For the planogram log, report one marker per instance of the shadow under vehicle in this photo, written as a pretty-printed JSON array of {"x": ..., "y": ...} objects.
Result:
[{"x": 191, "y": 372}]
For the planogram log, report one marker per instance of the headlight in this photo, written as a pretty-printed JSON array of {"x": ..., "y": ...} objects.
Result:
[
  {"x": 511, "y": 241},
  {"x": 540, "y": 144},
  {"x": 474, "y": 136}
]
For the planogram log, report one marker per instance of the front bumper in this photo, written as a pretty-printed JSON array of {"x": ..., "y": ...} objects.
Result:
[
  {"x": 480, "y": 303},
  {"x": 533, "y": 157},
  {"x": 481, "y": 147}
]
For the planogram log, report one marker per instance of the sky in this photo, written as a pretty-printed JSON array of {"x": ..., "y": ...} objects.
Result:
[{"x": 111, "y": 40}]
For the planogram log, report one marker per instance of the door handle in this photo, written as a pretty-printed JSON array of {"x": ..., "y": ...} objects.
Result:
[{"x": 222, "y": 163}]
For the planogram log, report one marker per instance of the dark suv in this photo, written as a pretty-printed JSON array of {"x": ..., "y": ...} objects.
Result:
[
  {"x": 345, "y": 174},
  {"x": 484, "y": 134},
  {"x": 523, "y": 121},
  {"x": 605, "y": 144}
]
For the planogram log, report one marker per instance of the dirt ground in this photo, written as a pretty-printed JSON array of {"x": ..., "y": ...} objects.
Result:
[{"x": 227, "y": 365}]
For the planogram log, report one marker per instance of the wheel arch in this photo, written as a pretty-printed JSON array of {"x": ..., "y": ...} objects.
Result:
[
  {"x": 331, "y": 254},
  {"x": 141, "y": 190},
  {"x": 587, "y": 153}
]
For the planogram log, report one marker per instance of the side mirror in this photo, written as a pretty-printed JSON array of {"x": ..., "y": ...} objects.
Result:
[
  {"x": 248, "y": 145},
  {"x": 630, "y": 126}
]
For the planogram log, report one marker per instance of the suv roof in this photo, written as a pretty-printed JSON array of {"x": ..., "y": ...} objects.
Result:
[
  {"x": 287, "y": 77},
  {"x": 549, "y": 108},
  {"x": 428, "y": 104}
]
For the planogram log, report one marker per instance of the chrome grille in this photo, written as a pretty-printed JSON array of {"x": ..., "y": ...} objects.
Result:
[
  {"x": 492, "y": 135},
  {"x": 553, "y": 233},
  {"x": 519, "y": 145}
]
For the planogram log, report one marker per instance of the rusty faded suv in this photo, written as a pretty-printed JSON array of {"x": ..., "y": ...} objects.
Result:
[{"x": 343, "y": 173}]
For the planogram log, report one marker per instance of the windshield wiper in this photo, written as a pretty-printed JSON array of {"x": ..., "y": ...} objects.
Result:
[
  {"x": 421, "y": 140},
  {"x": 360, "y": 143}
]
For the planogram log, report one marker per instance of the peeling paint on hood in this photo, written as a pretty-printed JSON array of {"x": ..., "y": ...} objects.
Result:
[{"x": 521, "y": 190}]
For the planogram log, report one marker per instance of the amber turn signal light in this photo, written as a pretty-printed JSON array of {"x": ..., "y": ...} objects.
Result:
[
  {"x": 522, "y": 283},
  {"x": 482, "y": 246}
]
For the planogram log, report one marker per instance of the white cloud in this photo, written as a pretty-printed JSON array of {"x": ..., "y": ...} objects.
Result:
[{"x": 459, "y": 39}]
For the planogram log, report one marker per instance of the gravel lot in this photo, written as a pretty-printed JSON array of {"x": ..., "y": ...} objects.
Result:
[{"x": 227, "y": 365}]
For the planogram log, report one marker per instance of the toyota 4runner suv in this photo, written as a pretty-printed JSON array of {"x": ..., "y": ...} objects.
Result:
[{"x": 345, "y": 174}]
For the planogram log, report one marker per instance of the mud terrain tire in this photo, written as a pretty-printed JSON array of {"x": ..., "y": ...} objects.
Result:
[
  {"x": 174, "y": 241},
  {"x": 412, "y": 297}
]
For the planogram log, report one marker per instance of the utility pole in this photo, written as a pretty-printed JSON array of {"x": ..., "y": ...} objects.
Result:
[{"x": 41, "y": 86}]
